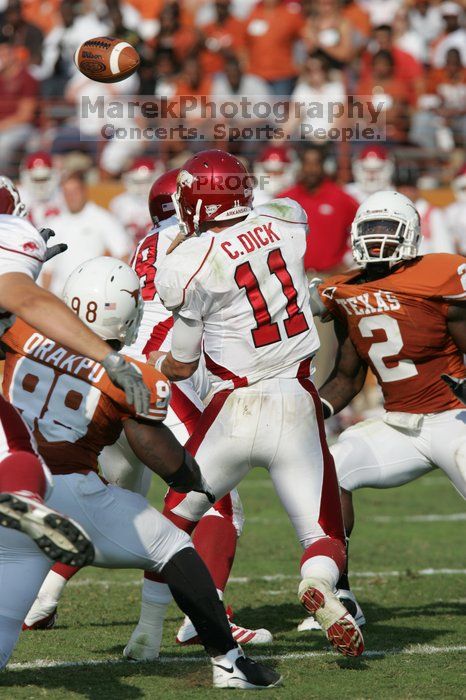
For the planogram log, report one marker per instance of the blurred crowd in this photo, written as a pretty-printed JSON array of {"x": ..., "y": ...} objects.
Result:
[{"x": 409, "y": 56}]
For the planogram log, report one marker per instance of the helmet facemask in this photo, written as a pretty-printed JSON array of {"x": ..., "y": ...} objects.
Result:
[{"x": 377, "y": 239}]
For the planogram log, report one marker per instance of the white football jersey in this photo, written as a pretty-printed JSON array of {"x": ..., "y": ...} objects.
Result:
[
  {"x": 248, "y": 286},
  {"x": 22, "y": 249},
  {"x": 132, "y": 212}
]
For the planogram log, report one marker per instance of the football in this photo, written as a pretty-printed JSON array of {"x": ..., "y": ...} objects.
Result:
[{"x": 106, "y": 60}]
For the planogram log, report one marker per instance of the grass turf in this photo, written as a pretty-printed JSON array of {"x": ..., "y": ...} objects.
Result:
[{"x": 411, "y": 616}]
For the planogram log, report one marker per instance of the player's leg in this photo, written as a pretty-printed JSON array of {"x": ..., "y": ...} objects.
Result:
[
  {"x": 22, "y": 569},
  {"x": 304, "y": 477},
  {"x": 24, "y": 483},
  {"x": 128, "y": 533},
  {"x": 449, "y": 455},
  {"x": 223, "y": 459}
]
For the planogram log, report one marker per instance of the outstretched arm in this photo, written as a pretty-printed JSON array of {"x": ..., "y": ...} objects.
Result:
[
  {"x": 49, "y": 315},
  {"x": 156, "y": 446},
  {"x": 182, "y": 361},
  {"x": 347, "y": 377}
]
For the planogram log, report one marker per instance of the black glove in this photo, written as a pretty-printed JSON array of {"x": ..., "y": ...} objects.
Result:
[
  {"x": 189, "y": 478},
  {"x": 457, "y": 385},
  {"x": 128, "y": 378},
  {"x": 53, "y": 250}
]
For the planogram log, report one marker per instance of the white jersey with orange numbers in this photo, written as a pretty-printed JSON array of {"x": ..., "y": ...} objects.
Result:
[
  {"x": 248, "y": 286},
  {"x": 22, "y": 249}
]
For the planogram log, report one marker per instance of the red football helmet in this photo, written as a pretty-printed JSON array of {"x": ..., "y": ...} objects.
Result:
[
  {"x": 38, "y": 176},
  {"x": 373, "y": 169},
  {"x": 459, "y": 185},
  {"x": 161, "y": 193},
  {"x": 10, "y": 201},
  {"x": 139, "y": 177},
  {"x": 212, "y": 186},
  {"x": 276, "y": 169}
]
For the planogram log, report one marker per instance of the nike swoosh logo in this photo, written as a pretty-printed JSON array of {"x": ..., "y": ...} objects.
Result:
[{"x": 228, "y": 670}]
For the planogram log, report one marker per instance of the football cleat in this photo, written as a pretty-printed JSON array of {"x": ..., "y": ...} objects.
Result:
[
  {"x": 234, "y": 670},
  {"x": 337, "y": 623},
  {"x": 351, "y": 604},
  {"x": 187, "y": 633},
  {"x": 59, "y": 537}
]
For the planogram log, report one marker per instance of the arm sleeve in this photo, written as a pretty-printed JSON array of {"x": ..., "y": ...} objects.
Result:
[
  {"x": 22, "y": 249},
  {"x": 186, "y": 339}
]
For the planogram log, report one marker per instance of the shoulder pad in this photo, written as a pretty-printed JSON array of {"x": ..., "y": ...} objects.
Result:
[
  {"x": 179, "y": 269},
  {"x": 286, "y": 209}
]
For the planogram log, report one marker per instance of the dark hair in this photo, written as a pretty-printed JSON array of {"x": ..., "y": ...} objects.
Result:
[
  {"x": 384, "y": 28},
  {"x": 406, "y": 174},
  {"x": 322, "y": 57},
  {"x": 309, "y": 146}
]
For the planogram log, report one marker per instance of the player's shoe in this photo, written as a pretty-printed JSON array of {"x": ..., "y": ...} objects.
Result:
[
  {"x": 58, "y": 536},
  {"x": 351, "y": 604},
  {"x": 234, "y": 670},
  {"x": 334, "y": 619},
  {"x": 187, "y": 633}
]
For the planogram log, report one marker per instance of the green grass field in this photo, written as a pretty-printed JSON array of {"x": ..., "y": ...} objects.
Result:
[{"x": 408, "y": 572}]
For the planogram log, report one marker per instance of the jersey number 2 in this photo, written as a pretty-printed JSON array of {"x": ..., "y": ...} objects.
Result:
[
  {"x": 378, "y": 352},
  {"x": 266, "y": 332}
]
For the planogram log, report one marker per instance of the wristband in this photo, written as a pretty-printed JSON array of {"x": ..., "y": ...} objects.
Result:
[
  {"x": 327, "y": 408},
  {"x": 158, "y": 363}
]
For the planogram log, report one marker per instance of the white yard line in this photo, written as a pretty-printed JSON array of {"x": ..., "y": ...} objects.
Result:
[
  {"x": 419, "y": 650},
  {"x": 105, "y": 583},
  {"x": 383, "y": 519}
]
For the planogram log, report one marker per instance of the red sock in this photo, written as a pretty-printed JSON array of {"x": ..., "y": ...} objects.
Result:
[
  {"x": 66, "y": 571},
  {"x": 22, "y": 471},
  {"x": 215, "y": 541},
  {"x": 327, "y": 547}
]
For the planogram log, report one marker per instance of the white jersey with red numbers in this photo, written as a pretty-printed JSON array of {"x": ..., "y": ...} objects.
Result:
[
  {"x": 22, "y": 249},
  {"x": 132, "y": 212},
  {"x": 248, "y": 286}
]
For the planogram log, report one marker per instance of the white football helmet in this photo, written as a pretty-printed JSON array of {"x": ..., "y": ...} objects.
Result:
[
  {"x": 105, "y": 294},
  {"x": 39, "y": 177},
  {"x": 386, "y": 228},
  {"x": 373, "y": 169},
  {"x": 10, "y": 200}
]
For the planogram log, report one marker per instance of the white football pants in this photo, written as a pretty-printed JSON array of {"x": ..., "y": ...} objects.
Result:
[{"x": 375, "y": 454}]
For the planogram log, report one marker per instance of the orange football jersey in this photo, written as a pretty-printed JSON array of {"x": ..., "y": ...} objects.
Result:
[
  {"x": 398, "y": 325},
  {"x": 68, "y": 401}
]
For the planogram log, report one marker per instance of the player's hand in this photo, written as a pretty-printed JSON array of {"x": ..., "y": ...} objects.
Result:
[
  {"x": 457, "y": 385},
  {"x": 125, "y": 376},
  {"x": 189, "y": 478},
  {"x": 53, "y": 250},
  {"x": 318, "y": 307}
]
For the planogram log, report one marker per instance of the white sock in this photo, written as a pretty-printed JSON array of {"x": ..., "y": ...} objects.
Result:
[
  {"x": 52, "y": 589},
  {"x": 156, "y": 592},
  {"x": 323, "y": 568},
  {"x": 156, "y": 598}
]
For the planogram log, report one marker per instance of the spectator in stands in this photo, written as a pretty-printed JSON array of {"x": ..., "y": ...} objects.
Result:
[
  {"x": 59, "y": 47},
  {"x": 359, "y": 21},
  {"x": 406, "y": 39},
  {"x": 158, "y": 75},
  {"x": 454, "y": 36},
  {"x": 175, "y": 35},
  {"x": 406, "y": 67},
  {"x": 390, "y": 93},
  {"x": 330, "y": 212},
  {"x": 441, "y": 115},
  {"x": 381, "y": 11},
  {"x": 45, "y": 15},
  {"x": 89, "y": 231},
  {"x": 223, "y": 38},
  {"x": 272, "y": 29},
  {"x": 425, "y": 19},
  {"x": 118, "y": 28},
  {"x": 328, "y": 31},
  {"x": 18, "y": 103},
  {"x": 234, "y": 82},
  {"x": 21, "y": 33},
  {"x": 435, "y": 235},
  {"x": 315, "y": 85}
]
